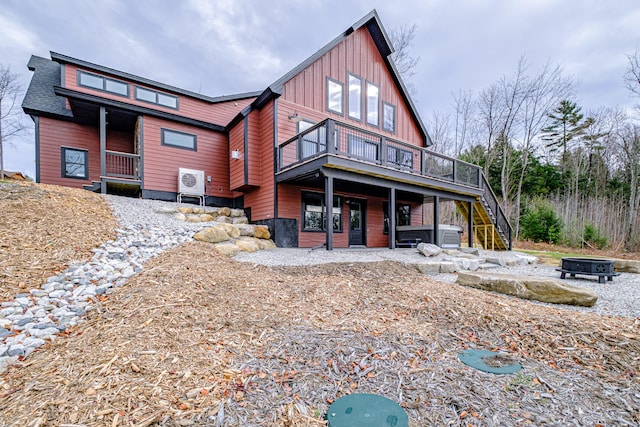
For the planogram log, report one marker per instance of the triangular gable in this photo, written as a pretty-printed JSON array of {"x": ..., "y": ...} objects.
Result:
[{"x": 372, "y": 23}]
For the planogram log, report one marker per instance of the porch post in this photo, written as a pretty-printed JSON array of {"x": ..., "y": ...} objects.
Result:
[
  {"x": 103, "y": 148},
  {"x": 470, "y": 224},
  {"x": 391, "y": 208},
  {"x": 436, "y": 220},
  {"x": 328, "y": 203}
]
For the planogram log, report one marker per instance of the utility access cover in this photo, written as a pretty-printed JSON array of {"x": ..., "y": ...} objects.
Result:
[
  {"x": 366, "y": 410},
  {"x": 489, "y": 361}
]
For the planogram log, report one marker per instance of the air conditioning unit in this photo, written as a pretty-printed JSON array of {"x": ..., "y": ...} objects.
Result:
[{"x": 190, "y": 182}]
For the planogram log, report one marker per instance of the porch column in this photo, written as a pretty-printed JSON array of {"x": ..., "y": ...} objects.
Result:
[
  {"x": 436, "y": 220},
  {"x": 470, "y": 224},
  {"x": 328, "y": 203},
  {"x": 391, "y": 208},
  {"x": 103, "y": 148}
]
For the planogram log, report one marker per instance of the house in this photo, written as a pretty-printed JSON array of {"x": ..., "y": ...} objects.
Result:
[{"x": 338, "y": 133}]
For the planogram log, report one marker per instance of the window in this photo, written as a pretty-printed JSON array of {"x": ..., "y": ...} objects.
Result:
[
  {"x": 154, "y": 97},
  {"x": 178, "y": 139},
  {"x": 388, "y": 117},
  {"x": 104, "y": 84},
  {"x": 75, "y": 163},
  {"x": 373, "y": 95},
  {"x": 403, "y": 215},
  {"x": 334, "y": 96},
  {"x": 399, "y": 157},
  {"x": 355, "y": 97},
  {"x": 365, "y": 149},
  {"x": 314, "y": 212}
]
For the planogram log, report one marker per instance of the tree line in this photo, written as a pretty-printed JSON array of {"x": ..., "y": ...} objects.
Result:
[{"x": 562, "y": 175}]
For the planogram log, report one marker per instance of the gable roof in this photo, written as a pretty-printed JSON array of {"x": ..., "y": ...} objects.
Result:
[{"x": 372, "y": 23}]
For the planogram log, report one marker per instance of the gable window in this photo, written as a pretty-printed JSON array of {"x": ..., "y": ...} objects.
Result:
[
  {"x": 373, "y": 97},
  {"x": 102, "y": 83},
  {"x": 75, "y": 163},
  {"x": 154, "y": 97},
  {"x": 179, "y": 139},
  {"x": 403, "y": 215},
  {"x": 388, "y": 117},
  {"x": 314, "y": 212},
  {"x": 335, "y": 96},
  {"x": 355, "y": 97}
]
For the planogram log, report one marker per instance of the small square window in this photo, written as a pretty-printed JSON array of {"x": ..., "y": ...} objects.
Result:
[
  {"x": 314, "y": 212},
  {"x": 179, "y": 139},
  {"x": 75, "y": 163},
  {"x": 335, "y": 96}
]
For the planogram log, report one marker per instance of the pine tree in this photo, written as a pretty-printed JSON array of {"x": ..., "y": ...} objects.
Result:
[{"x": 566, "y": 124}]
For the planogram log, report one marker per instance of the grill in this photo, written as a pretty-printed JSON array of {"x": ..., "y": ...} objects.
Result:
[{"x": 603, "y": 268}]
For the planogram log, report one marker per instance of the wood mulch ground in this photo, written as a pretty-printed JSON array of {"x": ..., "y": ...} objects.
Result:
[
  {"x": 43, "y": 228},
  {"x": 200, "y": 339}
]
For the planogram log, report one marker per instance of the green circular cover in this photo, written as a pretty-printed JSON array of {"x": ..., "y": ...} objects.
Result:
[
  {"x": 482, "y": 360},
  {"x": 366, "y": 410}
]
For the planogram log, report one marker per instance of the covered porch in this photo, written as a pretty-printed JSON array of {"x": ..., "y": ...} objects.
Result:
[{"x": 338, "y": 158}]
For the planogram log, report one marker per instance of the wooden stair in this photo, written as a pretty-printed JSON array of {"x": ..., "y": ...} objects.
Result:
[{"x": 486, "y": 231}]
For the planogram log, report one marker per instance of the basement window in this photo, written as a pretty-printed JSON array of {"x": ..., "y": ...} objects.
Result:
[
  {"x": 403, "y": 215},
  {"x": 314, "y": 212},
  {"x": 75, "y": 163}
]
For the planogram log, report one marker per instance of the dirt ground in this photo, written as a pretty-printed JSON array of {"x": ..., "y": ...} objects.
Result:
[{"x": 221, "y": 343}]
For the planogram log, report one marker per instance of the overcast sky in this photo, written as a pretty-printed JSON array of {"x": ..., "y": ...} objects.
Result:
[{"x": 222, "y": 47}]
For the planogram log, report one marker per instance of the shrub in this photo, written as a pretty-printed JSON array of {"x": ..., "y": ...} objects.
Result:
[
  {"x": 593, "y": 236},
  {"x": 541, "y": 224}
]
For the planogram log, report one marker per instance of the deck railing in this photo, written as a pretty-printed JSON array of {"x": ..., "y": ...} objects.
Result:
[
  {"x": 332, "y": 137},
  {"x": 122, "y": 165},
  {"x": 349, "y": 141}
]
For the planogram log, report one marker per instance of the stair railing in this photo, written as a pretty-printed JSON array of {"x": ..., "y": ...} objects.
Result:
[{"x": 499, "y": 219}]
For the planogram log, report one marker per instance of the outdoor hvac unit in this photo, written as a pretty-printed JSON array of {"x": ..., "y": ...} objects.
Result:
[{"x": 190, "y": 183}]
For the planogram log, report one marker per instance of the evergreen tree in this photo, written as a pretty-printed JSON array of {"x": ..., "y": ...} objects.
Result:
[{"x": 566, "y": 124}]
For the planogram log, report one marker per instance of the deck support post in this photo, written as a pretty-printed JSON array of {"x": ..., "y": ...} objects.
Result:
[
  {"x": 103, "y": 148},
  {"x": 436, "y": 220},
  {"x": 391, "y": 208},
  {"x": 470, "y": 224},
  {"x": 328, "y": 203}
]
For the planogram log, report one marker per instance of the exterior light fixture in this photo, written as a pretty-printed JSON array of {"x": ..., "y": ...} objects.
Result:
[
  {"x": 235, "y": 154},
  {"x": 295, "y": 117}
]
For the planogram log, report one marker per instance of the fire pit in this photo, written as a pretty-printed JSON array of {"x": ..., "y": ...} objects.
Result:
[{"x": 588, "y": 266}]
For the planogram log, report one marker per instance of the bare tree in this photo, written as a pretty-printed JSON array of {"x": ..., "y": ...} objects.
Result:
[
  {"x": 402, "y": 40},
  {"x": 464, "y": 125},
  {"x": 632, "y": 76},
  {"x": 11, "y": 116},
  {"x": 440, "y": 132}
]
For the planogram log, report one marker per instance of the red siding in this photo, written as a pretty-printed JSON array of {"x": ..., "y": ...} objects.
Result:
[
  {"x": 220, "y": 113},
  {"x": 261, "y": 200},
  {"x": 55, "y": 134},
  {"x": 120, "y": 141},
  {"x": 290, "y": 206},
  {"x": 236, "y": 166},
  {"x": 161, "y": 162},
  {"x": 358, "y": 55},
  {"x": 257, "y": 148}
]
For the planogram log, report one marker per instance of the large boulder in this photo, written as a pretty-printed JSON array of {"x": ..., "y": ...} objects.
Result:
[
  {"x": 205, "y": 218},
  {"x": 247, "y": 244},
  {"x": 212, "y": 235},
  {"x": 261, "y": 232},
  {"x": 235, "y": 213},
  {"x": 223, "y": 219},
  {"x": 245, "y": 229},
  {"x": 240, "y": 220},
  {"x": 231, "y": 230},
  {"x": 185, "y": 210},
  {"x": 224, "y": 211},
  {"x": 227, "y": 248},
  {"x": 526, "y": 287},
  {"x": 429, "y": 249},
  {"x": 626, "y": 266}
]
